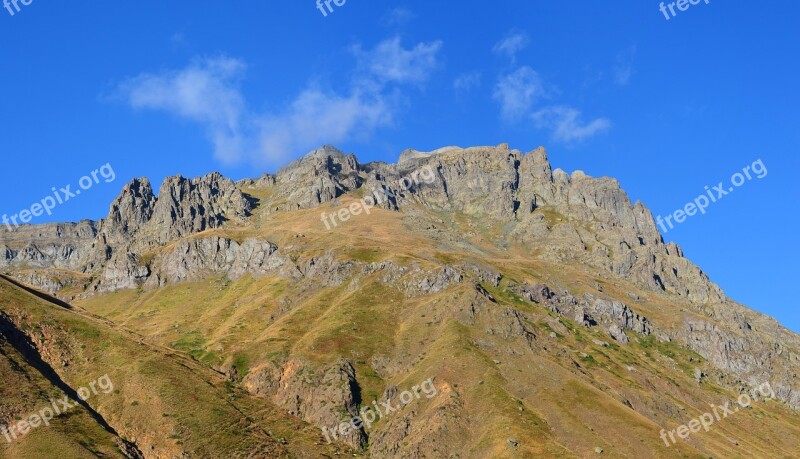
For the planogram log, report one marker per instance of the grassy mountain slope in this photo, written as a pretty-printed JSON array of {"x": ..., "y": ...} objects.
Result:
[
  {"x": 25, "y": 391},
  {"x": 514, "y": 379},
  {"x": 163, "y": 402}
]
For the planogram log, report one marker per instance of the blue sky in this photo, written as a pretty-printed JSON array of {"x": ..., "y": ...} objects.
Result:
[{"x": 613, "y": 88}]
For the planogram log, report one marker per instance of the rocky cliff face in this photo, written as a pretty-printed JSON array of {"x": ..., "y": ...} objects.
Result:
[
  {"x": 61, "y": 246},
  {"x": 317, "y": 397},
  {"x": 196, "y": 228},
  {"x": 183, "y": 207},
  {"x": 110, "y": 251},
  {"x": 584, "y": 219},
  {"x": 590, "y": 220}
]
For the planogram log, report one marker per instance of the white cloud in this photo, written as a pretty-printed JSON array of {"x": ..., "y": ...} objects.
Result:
[
  {"x": 566, "y": 124},
  {"x": 512, "y": 44},
  {"x": 389, "y": 62},
  {"x": 207, "y": 92},
  {"x": 399, "y": 16},
  {"x": 316, "y": 117},
  {"x": 467, "y": 81},
  {"x": 623, "y": 69},
  {"x": 517, "y": 92},
  {"x": 177, "y": 39}
]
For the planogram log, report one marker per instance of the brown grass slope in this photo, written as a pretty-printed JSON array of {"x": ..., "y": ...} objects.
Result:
[
  {"x": 163, "y": 402},
  {"x": 556, "y": 388},
  {"x": 25, "y": 391}
]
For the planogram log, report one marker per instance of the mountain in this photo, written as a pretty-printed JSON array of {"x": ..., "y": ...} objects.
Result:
[{"x": 522, "y": 311}]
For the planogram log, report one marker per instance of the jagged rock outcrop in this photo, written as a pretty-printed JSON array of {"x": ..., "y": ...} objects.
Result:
[
  {"x": 320, "y": 176},
  {"x": 590, "y": 311},
  {"x": 137, "y": 223},
  {"x": 328, "y": 270},
  {"x": 620, "y": 315},
  {"x": 61, "y": 246},
  {"x": 325, "y": 397},
  {"x": 43, "y": 281},
  {"x": 188, "y": 206},
  {"x": 123, "y": 271},
  {"x": 128, "y": 213},
  {"x": 183, "y": 207},
  {"x": 196, "y": 258}
]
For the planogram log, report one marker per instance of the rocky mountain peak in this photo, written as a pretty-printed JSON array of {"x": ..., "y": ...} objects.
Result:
[
  {"x": 410, "y": 154},
  {"x": 320, "y": 176},
  {"x": 186, "y": 206},
  {"x": 129, "y": 211},
  {"x": 573, "y": 218},
  {"x": 326, "y": 157}
]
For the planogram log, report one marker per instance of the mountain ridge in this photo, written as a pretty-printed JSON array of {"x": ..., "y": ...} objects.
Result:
[
  {"x": 137, "y": 204},
  {"x": 510, "y": 257}
]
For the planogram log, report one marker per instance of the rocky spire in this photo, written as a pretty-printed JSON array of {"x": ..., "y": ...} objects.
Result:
[
  {"x": 129, "y": 212},
  {"x": 186, "y": 206}
]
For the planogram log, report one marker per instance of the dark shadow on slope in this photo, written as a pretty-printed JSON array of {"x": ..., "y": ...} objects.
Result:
[
  {"x": 30, "y": 353},
  {"x": 255, "y": 203},
  {"x": 37, "y": 293}
]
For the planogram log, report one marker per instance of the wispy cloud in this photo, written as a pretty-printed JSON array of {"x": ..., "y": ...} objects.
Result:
[
  {"x": 467, "y": 81},
  {"x": 208, "y": 92},
  {"x": 398, "y": 16},
  {"x": 316, "y": 117},
  {"x": 623, "y": 68},
  {"x": 517, "y": 92},
  {"x": 390, "y": 62},
  {"x": 511, "y": 44},
  {"x": 177, "y": 40},
  {"x": 519, "y": 95},
  {"x": 566, "y": 124}
]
